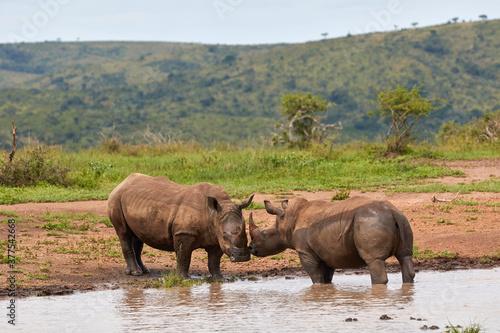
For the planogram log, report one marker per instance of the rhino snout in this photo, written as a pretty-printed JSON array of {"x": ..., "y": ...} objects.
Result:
[
  {"x": 239, "y": 255},
  {"x": 252, "y": 250}
]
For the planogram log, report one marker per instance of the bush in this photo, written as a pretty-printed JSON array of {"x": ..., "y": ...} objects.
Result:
[
  {"x": 33, "y": 167},
  {"x": 484, "y": 130},
  {"x": 342, "y": 194}
]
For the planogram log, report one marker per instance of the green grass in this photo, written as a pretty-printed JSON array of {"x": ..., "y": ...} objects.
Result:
[
  {"x": 484, "y": 186},
  {"x": 465, "y": 203},
  {"x": 66, "y": 222},
  {"x": 243, "y": 171},
  {"x": 278, "y": 256},
  {"x": 429, "y": 254},
  {"x": 341, "y": 194},
  {"x": 71, "y": 251},
  {"x": 491, "y": 257},
  {"x": 255, "y": 205},
  {"x": 471, "y": 328},
  {"x": 172, "y": 279},
  {"x": 38, "y": 276},
  {"x": 8, "y": 213}
]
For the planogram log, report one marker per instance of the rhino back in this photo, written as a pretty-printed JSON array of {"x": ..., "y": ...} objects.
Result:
[
  {"x": 157, "y": 209},
  {"x": 324, "y": 228},
  {"x": 327, "y": 228}
]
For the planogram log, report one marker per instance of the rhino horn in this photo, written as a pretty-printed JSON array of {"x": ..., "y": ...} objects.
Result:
[
  {"x": 242, "y": 231},
  {"x": 251, "y": 225}
]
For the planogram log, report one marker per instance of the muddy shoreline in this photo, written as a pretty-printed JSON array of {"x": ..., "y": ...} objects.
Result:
[{"x": 146, "y": 281}]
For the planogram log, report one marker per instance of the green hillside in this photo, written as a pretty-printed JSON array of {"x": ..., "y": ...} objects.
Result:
[{"x": 74, "y": 93}]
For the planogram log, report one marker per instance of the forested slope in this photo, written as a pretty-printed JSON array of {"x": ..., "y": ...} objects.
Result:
[{"x": 74, "y": 93}]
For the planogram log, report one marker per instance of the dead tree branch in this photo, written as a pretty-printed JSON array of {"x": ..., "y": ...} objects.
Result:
[
  {"x": 434, "y": 199},
  {"x": 14, "y": 144}
]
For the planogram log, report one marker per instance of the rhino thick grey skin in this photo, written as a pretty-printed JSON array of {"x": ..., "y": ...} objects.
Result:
[
  {"x": 345, "y": 234},
  {"x": 173, "y": 217}
]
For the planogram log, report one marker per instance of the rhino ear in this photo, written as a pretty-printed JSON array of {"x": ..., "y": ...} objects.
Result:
[
  {"x": 213, "y": 203},
  {"x": 273, "y": 210},
  {"x": 284, "y": 204},
  {"x": 245, "y": 203}
]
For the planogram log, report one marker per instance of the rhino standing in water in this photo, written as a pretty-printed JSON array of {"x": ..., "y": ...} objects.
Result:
[
  {"x": 330, "y": 235},
  {"x": 173, "y": 217}
]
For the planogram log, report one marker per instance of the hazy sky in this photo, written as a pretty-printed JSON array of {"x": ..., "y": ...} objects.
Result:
[{"x": 223, "y": 21}]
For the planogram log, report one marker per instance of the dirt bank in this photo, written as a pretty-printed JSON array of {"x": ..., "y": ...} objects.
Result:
[{"x": 462, "y": 234}]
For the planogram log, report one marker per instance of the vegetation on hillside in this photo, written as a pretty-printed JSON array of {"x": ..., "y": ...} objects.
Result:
[
  {"x": 40, "y": 173},
  {"x": 75, "y": 94}
]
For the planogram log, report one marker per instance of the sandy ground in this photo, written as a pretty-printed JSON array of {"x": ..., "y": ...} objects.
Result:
[{"x": 463, "y": 234}]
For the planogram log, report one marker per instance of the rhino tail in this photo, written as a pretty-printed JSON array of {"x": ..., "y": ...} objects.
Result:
[
  {"x": 405, "y": 231},
  {"x": 347, "y": 228}
]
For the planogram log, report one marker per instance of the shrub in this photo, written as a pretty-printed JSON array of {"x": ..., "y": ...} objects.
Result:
[
  {"x": 485, "y": 130},
  {"x": 342, "y": 194},
  {"x": 33, "y": 167}
]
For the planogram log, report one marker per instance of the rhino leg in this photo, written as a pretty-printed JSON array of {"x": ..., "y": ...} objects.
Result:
[
  {"x": 126, "y": 241},
  {"x": 327, "y": 273},
  {"x": 137, "y": 245},
  {"x": 404, "y": 254},
  {"x": 407, "y": 269},
  {"x": 214, "y": 255},
  {"x": 125, "y": 235},
  {"x": 317, "y": 271},
  {"x": 184, "y": 247},
  {"x": 377, "y": 271}
]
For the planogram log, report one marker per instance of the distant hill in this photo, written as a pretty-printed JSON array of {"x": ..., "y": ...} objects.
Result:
[{"x": 74, "y": 93}]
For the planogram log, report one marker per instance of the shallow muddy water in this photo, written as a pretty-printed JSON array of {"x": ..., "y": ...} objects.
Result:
[{"x": 274, "y": 305}]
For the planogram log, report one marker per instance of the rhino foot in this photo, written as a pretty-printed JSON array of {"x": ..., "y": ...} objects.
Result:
[
  {"x": 217, "y": 278},
  {"x": 135, "y": 273}
]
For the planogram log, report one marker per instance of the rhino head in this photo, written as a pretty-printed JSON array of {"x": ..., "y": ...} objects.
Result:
[
  {"x": 230, "y": 228},
  {"x": 267, "y": 242}
]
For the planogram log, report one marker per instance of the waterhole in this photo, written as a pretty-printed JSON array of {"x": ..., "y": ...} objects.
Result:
[{"x": 285, "y": 304}]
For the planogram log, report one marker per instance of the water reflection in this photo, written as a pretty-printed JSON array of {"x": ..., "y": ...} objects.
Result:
[
  {"x": 274, "y": 305},
  {"x": 358, "y": 295}
]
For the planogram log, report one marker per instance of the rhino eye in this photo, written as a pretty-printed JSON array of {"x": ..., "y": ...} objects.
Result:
[
  {"x": 225, "y": 236},
  {"x": 264, "y": 234}
]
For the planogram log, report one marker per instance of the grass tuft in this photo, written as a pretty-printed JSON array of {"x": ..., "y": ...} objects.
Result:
[
  {"x": 471, "y": 328},
  {"x": 172, "y": 279},
  {"x": 429, "y": 254}
]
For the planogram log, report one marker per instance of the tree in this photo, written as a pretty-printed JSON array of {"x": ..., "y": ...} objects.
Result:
[
  {"x": 414, "y": 24},
  {"x": 324, "y": 35},
  {"x": 455, "y": 19},
  {"x": 403, "y": 108},
  {"x": 483, "y": 17},
  {"x": 302, "y": 126}
]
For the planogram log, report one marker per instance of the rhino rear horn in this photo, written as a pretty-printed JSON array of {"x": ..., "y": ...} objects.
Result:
[{"x": 251, "y": 224}]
